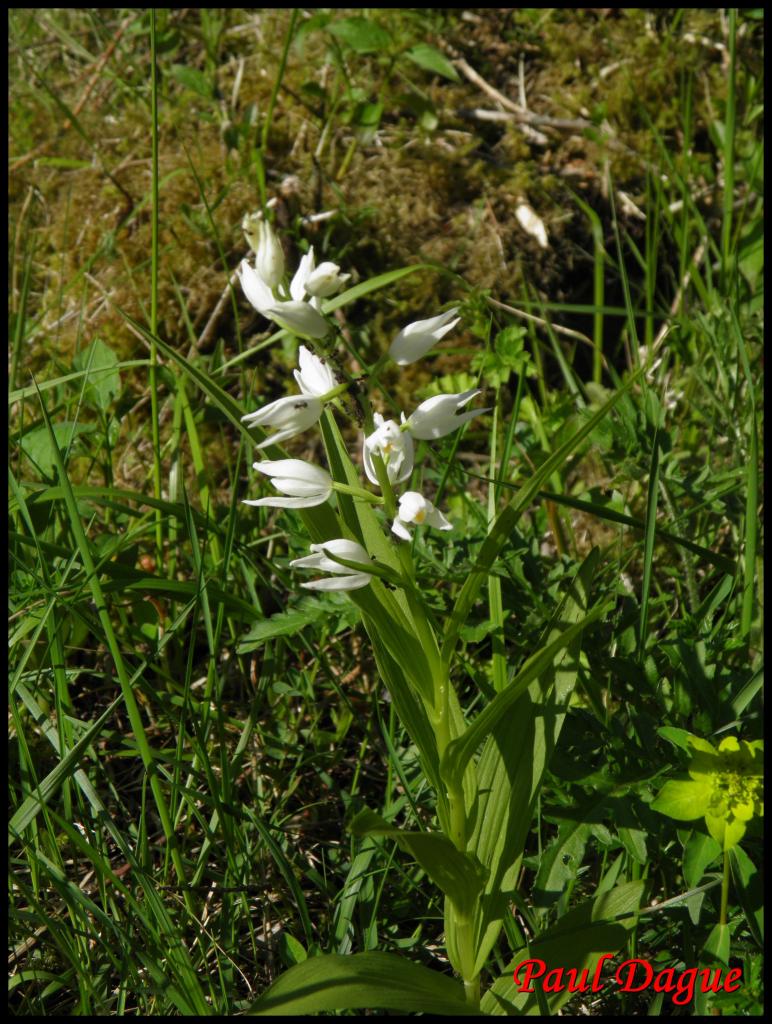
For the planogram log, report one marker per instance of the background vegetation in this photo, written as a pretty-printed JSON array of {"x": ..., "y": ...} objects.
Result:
[{"x": 188, "y": 730}]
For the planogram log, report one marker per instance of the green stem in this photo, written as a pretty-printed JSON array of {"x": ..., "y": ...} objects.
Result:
[
  {"x": 472, "y": 991},
  {"x": 276, "y": 85},
  {"x": 358, "y": 492},
  {"x": 725, "y": 891},
  {"x": 729, "y": 135},
  {"x": 154, "y": 291}
]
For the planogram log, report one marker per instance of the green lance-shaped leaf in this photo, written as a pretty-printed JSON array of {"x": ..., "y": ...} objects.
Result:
[
  {"x": 382, "y": 981},
  {"x": 460, "y": 751},
  {"x": 460, "y": 875},
  {"x": 576, "y": 942},
  {"x": 514, "y": 758},
  {"x": 104, "y": 380},
  {"x": 507, "y": 519},
  {"x": 749, "y": 886}
]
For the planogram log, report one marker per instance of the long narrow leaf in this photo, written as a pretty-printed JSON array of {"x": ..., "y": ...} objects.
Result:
[
  {"x": 363, "y": 981},
  {"x": 507, "y": 519}
]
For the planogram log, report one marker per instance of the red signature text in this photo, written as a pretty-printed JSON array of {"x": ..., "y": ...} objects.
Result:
[{"x": 631, "y": 976}]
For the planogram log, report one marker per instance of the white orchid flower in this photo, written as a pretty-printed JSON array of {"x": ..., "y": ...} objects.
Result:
[
  {"x": 306, "y": 485},
  {"x": 344, "y": 578},
  {"x": 294, "y": 315},
  {"x": 326, "y": 280},
  {"x": 415, "y": 340},
  {"x": 291, "y": 415},
  {"x": 317, "y": 282},
  {"x": 415, "y": 510},
  {"x": 440, "y": 415},
  {"x": 393, "y": 445},
  {"x": 314, "y": 376}
]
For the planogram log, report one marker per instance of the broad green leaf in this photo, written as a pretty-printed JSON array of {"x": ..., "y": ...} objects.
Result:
[
  {"x": 460, "y": 875},
  {"x": 361, "y": 34},
  {"x": 281, "y": 624},
  {"x": 513, "y": 761},
  {"x": 430, "y": 59},
  {"x": 363, "y": 981},
  {"x": 577, "y": 941},
  {"x": 683, "y": 799},
  {"x": 700, "y": 851},
  {"x": 38, "y": 443},
  {"x": 104, "y": 379},
  {"x": 559, "y": 864},
  {"x": 634, "y": 841},
  {"x": 290, "y": 950},
  {"x": 193, "y": 79},
  {"x": 718, "y": 943},
  {"x": 678, "y": 737}
]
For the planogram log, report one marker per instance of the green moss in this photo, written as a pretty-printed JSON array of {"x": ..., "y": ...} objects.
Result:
[{"x": 446, "y": 196}]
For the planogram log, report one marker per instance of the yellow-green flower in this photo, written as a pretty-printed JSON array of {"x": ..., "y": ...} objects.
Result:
[{"x": 724, "y": 787}]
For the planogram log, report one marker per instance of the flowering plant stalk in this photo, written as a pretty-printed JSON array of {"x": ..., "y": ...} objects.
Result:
[{"x": 485, "y": 771}]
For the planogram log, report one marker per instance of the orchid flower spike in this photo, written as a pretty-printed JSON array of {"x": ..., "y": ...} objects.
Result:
[
  {"x": 415, "y": 510},
  {"x": 394, "y": 446},
  {"x": 291, "y": 415},
  {"x": 306, "y": 485},
  {"x": 440, "y": 415},
  {"x": 293, "y": 315},
  {"x": 345, "y": 578},
  {"x": 415, "y": 340}
]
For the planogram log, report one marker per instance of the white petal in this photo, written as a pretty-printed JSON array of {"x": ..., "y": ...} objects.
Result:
[
  {"x": 304, "y": 271},
  {"x": 400, "y": 530},
  {"x": 292, "y": 409},
  {"x": 415, "y": 340},
  {"x": 255, "y": 288},
  {"x": 298, "y": 318},
  {"x": 267, "y": 413},
  {"x": 439, "y": 415},
  {"x": 434, "y": 324},
  {"x": 285, "y": 502},
  {"x": 436, "y": 519},
  {"x": 315, "y": 377},
  {"x": 413, "y": 507},
  {"x": 298, "y": 488},
  {"x": 269, "y": 260},
  {"x": 344, "y": 548},
  {"x": 326, "y": 280},
  {"x": 353, "y": 582},
  {"x": 296, "y": 469}
]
